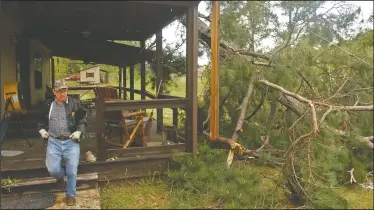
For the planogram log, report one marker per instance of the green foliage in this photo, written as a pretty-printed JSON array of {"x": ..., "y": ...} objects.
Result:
[
  {"x": 8, "y": 183},
  {"x": 324, "y": 198},
  {"x": 208, "y": 177}
]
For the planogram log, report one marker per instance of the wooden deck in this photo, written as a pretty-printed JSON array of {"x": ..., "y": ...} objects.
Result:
[
  {"x": 126, "y": 163},
  {"x": 87, "y": 144}
]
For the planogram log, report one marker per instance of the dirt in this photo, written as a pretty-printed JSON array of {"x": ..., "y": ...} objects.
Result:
[{"x": 85, "y": 199}]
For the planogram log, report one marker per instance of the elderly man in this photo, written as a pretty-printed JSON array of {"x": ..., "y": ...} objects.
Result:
[{"x": 63, "y": 122}]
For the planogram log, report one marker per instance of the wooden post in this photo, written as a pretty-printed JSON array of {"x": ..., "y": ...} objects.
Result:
[
  {"x": 142, "y": 69},
  {"x": 131, "y": 82},
  {"x": 159, "y": 77},
  {"x": 120, "y": 82},
  {"x": 52, "y": 71},
  {"x": 100, "y": 128},
  {"x": 124, "y": 71},
  {"x": 214, "y": 78},
  {"x": 191, "y": 89},
  {"x": 175, "y": 117}
]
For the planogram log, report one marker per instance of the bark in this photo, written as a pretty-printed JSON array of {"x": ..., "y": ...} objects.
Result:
[{"x": 292, "y": 104}]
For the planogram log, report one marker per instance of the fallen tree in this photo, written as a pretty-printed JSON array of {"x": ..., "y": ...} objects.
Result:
[{"x": 309, "y": 132}]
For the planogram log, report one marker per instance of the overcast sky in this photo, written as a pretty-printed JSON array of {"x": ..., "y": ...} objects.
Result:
[{"x": 170, "y": 36}]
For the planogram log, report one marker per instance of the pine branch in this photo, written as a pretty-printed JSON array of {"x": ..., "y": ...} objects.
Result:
[
  {"x": 305, "y": 100},
  {"x": 226, "y": 49},
  {"x": 367, "y": 140},
  {"x": 262, "y": 100},
  {"x": 340, "y": 88}
]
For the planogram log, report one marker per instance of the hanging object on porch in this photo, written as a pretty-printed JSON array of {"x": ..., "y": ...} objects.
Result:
[
  {"x": 14, "y": 98},
  {"x": 14, "y": 105}
]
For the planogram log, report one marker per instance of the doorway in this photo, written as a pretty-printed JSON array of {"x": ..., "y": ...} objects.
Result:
[{"x": 23, "y": 69}]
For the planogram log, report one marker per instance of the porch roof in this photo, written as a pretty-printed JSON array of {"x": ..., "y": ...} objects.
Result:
[
  {"x": 100, "y": 52},
  {"x": 99, "y": 20}
]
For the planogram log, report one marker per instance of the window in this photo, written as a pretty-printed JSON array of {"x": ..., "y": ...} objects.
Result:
[{"x": 89, "y": 75}]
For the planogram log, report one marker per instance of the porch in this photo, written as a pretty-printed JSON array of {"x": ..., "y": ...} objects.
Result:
[
  {"x": 31, "y": 163},
  {"x": 85, "y": 31}
]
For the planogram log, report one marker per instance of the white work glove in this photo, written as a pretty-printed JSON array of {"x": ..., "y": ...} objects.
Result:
[
  {"x": 76, "y": 135},
  {"x": 43, "y": 133}
]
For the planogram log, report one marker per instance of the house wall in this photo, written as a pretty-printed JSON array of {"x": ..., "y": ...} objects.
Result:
[
  {"x": 37, "y": 95},
  {"x": 8, "y": 27},
  {"x": 95, "y": 79}
]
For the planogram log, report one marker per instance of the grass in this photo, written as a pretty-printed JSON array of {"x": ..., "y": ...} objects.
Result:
[
  {"x": 143, "y": 194},
  {"x": 357, "y": 197},
  {"x": 147, "y": 193},
  {"x": 204, "y": 182}
]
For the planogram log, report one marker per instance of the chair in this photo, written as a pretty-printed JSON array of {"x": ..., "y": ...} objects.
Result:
[{"x": 128, "y": 124}]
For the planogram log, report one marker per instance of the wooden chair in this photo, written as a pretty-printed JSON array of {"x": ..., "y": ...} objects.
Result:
[{"x": 128, "y": 124}]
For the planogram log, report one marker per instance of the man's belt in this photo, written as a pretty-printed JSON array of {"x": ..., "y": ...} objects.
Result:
[{"x": 62, "y": 138}]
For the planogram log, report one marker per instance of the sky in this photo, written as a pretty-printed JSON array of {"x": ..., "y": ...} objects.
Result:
[{"x": 170, "y": 36}]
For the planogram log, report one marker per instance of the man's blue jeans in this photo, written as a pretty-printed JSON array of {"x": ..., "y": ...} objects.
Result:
[{"x": 70, "y": 151}]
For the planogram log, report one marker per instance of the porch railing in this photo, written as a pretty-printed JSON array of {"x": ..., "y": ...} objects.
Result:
[
  {"x": 147, "y": 94},
  {"x": 117, "y": 105}
]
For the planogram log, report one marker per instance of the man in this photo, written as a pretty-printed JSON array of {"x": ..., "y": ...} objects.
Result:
[{"x": 63, "y": 122}]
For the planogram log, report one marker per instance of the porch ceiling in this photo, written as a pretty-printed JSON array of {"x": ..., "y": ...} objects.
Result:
[
  {"x": 104, "y": 20},
  {"x": 104, "y": 52}
]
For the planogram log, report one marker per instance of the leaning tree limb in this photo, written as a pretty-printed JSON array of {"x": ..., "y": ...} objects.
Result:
[
  {"x": 314, "y": 114},
  {"x": 262, "y": 100},
  {"x": 305, "y": 100},
  {"x": 239, "y": 124}
]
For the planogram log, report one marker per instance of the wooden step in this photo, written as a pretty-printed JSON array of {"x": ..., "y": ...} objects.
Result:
[
  {"x": 129, "y": 166},
  {"x": 48, "y": 184}
]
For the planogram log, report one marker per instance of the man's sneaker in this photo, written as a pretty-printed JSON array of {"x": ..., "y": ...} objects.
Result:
[
  {"x": 70, "y": 200},
  {"x": 60, "y": 184}
]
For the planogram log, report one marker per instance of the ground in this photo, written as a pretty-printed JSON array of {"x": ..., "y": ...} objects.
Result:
[
  {"x": 85, "y": 199},
  {"x": 154, "y": 193}
]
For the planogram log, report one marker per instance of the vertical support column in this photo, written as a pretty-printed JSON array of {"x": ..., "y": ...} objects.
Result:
[
  {"x": 100, "y": 128},
  {"x": 191, "y": 89},
  {"x": 132, "y": 82},
  {"x": 214, "y": 78},
  {"x": 53, "y": 78},
  {"x": 1, "y": 92},
  {"x": 159, "y": 74},
  {"x": 175, "y": 117},
  {"x": 142, "y": 69},
  {"x": 124, "y": 71},
  {"x": 119, "y": 82}
]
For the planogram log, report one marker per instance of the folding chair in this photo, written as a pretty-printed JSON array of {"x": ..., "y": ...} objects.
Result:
[{"x": 128, "y": 124}]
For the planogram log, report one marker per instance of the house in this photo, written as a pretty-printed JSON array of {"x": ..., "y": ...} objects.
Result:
[
  {"x": 93, "y": 75},
  {"x": 33, "y": 32}
]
